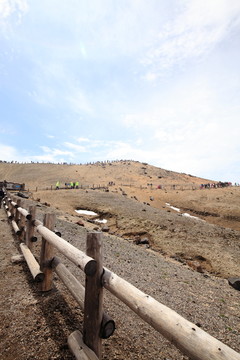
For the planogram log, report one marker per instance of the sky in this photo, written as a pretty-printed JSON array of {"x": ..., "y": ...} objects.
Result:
[{"x": 155, "y": 81}]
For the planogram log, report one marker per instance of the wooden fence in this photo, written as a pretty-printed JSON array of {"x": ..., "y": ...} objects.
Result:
[{"x": 186, "y": 336}]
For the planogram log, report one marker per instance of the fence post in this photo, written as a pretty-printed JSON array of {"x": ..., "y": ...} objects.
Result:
[
  {"x": 21, "y": 220},
  {"x": 30, "y": 227},
  {"x": 11, "y": 208},
  {"x": 17, "y": 215},
  {"x": 47, "y": 254},
  {"x": 93, "y": 304}
]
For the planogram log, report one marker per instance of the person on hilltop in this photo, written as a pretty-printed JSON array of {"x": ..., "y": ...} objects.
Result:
[
  {"x": 77, "y": 184},
  {"x": 1, "y": 196},
  {"x": 57, "y": 185}
]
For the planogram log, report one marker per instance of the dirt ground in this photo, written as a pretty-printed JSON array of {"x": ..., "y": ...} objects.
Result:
[
  {"x": 36, "y": 325},
  {"x": 210, "y": 237}
]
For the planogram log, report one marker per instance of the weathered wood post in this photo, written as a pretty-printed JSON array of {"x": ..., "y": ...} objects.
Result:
[
  {"x": 93, "y": 304},
  {"x": 11, "y": 208},
  {"x": 46, "y": 255},
  {"x": 14, "y": 211},
  {"x": 17, "y": 215},
  {"x": 21, "y": 221},
  {"x": 30, "y": 227}
]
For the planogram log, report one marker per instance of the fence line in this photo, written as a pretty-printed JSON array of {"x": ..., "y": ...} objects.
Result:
[
  {"x": 151, "y": 186},
  {"x": 186, "y": 336}
]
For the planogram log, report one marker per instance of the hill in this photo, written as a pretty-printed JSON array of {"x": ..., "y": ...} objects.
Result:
[
  {"x": 199, "y": 227},
  {"x": 127, "y": 172}
]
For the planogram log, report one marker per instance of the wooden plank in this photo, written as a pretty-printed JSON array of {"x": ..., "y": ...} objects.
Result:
[
  {"x": 78, "y": 257},
  {"x": 32, "y": 263},
  {"x": 9, "y": 215},
  {"x": 78, "y": 292},
  {"x": 24, "y": 212},
  {"x": 16, "y": 228},
  {"x": 30, "y": 227},
  {"x": 93, "y": 304},
  {"x": 69, "y": 280},
  {"x": 79, "y": 349},
  {"x": 186, "y": 336},
  {"x": 46, "y": 255},
  {"x": 17, "y": 214}
]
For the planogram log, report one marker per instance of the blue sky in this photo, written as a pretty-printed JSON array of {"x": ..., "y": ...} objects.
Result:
[{"x": 150, "y": 80}]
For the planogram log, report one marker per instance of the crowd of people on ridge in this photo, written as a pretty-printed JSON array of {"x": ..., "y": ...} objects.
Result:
[
  {"x": 69, "y": 185},
  {"x": 220, "y": 184}
]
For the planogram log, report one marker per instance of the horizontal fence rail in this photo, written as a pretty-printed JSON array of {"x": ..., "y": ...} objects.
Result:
[{"x": 186, "y": 336}]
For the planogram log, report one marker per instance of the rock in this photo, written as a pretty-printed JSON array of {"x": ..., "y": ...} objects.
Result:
[
  {"x": 235, "y": 283},
  {"x": 195, "y": 265},
  {"x": 142, "y": 241},
  {"x": 22, "y": 195},
  {"x": 80, "y": 223},
  {"x": 16, "y": 259},
  {"x": 105, "y": 228}
]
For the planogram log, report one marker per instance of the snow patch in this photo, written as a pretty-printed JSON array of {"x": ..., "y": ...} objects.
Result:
[
  {"x": 192, "y": 217},
  {"x": 103, "y": 221},
  {"x": 173, "y": 207},
  {"x": 183, "y": 214},
  {"x": 86, "y": 212}
]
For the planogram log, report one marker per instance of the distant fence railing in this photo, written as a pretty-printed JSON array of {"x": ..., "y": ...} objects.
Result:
[
  {"x": 186, "y": 336},
  {"x": 149, "y": 186}
]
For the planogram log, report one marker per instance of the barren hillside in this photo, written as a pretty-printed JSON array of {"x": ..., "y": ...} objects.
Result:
[
  {"x": 120, "y": 172},
  {"x": 178, "y": 244},
  {"x": 141, "y": 201}
]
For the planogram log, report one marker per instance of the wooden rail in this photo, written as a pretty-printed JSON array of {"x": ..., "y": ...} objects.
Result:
[{"x": 186, "y": 336}]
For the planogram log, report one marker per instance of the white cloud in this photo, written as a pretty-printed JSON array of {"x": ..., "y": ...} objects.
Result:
[
  {"x": 150, "y": 76},
  {"x": 8, "y": 7},
  {"x": 11, "y": 11},
  {"x": 77, "y": 148},
  {"x": 184, "y": 104},
  {"x": 52, "y": 155},
  {"x": 56, "y": 86},
  {"x": 9, "y": 153},
  {"x": 81, "y": 139},
  {"x": 124, "y": 150},
  {"x": 78, "y": 102},
  {"x": 196, "y": 29}
]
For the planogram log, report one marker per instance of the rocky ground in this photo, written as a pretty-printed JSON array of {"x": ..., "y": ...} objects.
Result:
[
  {"x": 196, "y": 241},
  {"x": 185, "y": 266}
]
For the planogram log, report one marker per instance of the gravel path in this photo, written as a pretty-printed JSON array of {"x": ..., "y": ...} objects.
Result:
[
  {"x": 36, "y": 326},
  {"x": 202, "y": 299}
]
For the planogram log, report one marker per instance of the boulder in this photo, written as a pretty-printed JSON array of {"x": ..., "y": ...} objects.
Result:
[
  {"x": 105, "y": 228},
  {"x": 142, "y": 241},
  {"x": 235, "y": 283},
  {"x": 80, "y": 223}
]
